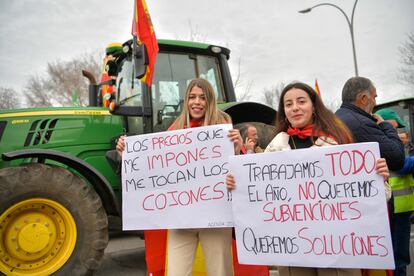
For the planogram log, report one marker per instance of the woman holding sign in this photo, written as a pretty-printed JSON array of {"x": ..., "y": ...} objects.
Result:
[
  {"x": 302, "y": 122},
  {"x": 199, "y": 109}
]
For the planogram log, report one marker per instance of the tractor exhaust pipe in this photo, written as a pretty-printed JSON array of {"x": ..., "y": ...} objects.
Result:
[{"x": 93, "y": 88}]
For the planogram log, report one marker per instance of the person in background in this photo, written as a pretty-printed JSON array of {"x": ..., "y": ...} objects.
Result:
[
  {"x": 303, "y": 121},
  {"x": 200, "y": 109},
  {"x": 251, "y": 140},
  {"x": 358, "y": 102},
  {"x": 401, "y": 203},
  {"x": 112, "y": 50},
  {"x": 408, "y": 146},
  {"x": 409, "y": 154}
]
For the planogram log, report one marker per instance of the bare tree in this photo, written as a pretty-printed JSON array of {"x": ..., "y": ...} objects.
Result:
[
  {"x": 8, "y": 98},
  {"x": 238, "y": 81},
  {"x": 272, "y": 95},
  {"x": 195, "y": 33},
  {"x": 333, "y": 105},
  {"x": 407, "y": 59},
  {"x": 242, "y": 87},
  {"x": 63, "y": 84},
  {"x": 245, "y": 92},
  {"x": 35, "y": 93}
]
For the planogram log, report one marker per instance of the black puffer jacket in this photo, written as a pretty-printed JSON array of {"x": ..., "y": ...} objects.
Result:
[{"x": 365, "y": 129}]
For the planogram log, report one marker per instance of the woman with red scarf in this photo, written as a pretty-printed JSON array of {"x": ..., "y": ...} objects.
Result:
[
  {"x": 199, "y": 109},
  {"x": 303, "y": 121}
]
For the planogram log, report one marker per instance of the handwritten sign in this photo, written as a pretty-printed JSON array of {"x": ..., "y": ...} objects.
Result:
[
  {"x": 321, "y": 207},
  {"x": 176, "y": 179}
]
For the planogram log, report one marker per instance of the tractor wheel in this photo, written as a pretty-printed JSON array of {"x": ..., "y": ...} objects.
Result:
[{"x": 50, "y": 222}]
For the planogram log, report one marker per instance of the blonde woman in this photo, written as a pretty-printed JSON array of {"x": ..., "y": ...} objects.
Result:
[{"x": 200, "y": 109}]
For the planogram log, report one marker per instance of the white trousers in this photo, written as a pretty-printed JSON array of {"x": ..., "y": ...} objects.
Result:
[{"x": 216, "y": 245}]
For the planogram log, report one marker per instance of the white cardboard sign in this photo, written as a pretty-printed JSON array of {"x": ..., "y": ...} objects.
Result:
[
  {"x": 176, "y": 179},
  {"x": 322, "y": 207}
]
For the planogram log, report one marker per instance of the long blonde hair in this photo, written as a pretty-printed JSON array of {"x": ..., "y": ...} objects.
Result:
[{"x": 213, "y": 115}]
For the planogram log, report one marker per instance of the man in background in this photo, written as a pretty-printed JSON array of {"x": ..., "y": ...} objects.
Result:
[
  {"x": 408, "y": 146},
  {"x": 251, "y": 140},
  {"x": 358, "y": 102}
]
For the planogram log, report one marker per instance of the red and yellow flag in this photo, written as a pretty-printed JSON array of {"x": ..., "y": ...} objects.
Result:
[
  {"x": 156, "y": 258},
  {"x": 143, "y": 29},
  {"x": 317, "y": 88}
]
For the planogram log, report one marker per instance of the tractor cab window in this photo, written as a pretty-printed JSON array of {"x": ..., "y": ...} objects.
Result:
[
  {"x": 172, "y": 74},
  {"x": 129, "y": 90}
]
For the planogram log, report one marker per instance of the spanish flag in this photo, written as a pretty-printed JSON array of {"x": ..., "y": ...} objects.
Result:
[
  {"x": 156, "y": 258},
  {"x": 143, "y": 30},
  {"x": 317, "y": 88},
  {"x": 377, "y": 272}
]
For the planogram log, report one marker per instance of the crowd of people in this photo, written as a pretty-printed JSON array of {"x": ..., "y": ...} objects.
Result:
[{"x": 303, "y": 121}]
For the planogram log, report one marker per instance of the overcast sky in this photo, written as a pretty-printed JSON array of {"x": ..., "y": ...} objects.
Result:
[{"x": 274, "y": 41}]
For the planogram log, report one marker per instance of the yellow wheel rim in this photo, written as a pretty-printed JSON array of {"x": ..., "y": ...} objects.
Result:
[{"x": 37, "y": 237}]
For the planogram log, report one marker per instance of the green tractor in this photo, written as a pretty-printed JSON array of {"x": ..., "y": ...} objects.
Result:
[{"x": 59, "y": 187}]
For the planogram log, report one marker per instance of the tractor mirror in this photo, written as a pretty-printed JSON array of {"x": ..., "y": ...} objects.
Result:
[{"x": 140, "y": 60}]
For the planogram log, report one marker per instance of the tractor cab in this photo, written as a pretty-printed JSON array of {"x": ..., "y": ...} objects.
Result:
[
  {"x": 405, "y": 110},
  {"x": 152, "y": 109}
]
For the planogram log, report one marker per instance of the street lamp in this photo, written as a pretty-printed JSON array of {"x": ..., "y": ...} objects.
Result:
[{"x": 350, "y": 25}]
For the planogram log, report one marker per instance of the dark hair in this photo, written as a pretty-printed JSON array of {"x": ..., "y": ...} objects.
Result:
[
  {"x": 323, "y": 119},
  {"x": 244, "y": 129},
  {"x": 403, "y": 131},
  {"x": 353, "y": 87}
]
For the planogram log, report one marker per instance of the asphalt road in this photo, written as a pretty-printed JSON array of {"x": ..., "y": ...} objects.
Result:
[{"x": 125, "y": 256}]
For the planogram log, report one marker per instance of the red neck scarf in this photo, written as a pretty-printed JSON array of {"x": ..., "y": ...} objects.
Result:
[
  {"x": 195, "y": 123},
  {"x": 305, "y": 132}
]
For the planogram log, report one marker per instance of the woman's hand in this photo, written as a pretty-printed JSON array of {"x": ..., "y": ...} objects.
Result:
[
  {"x": 120, "y": 145},
  {"x": 230, "y": 183},
  {"x": 382, "y": 168},
  {"x": 235, "y": 137}
]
